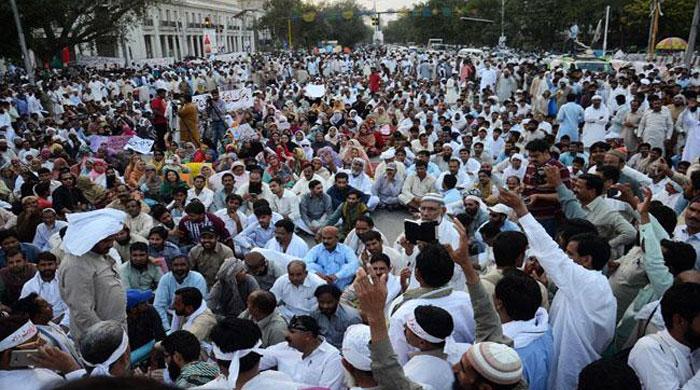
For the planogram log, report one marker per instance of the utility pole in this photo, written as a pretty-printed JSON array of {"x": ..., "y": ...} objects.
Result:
[
  {"x": 605, "y": 35},
  {"x": 656, "y": 12},
  {"x": 23, "y": 44},
  {"x": 693, "y": 35}
]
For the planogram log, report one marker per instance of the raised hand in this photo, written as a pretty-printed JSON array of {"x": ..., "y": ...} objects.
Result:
[
  {"x": 512, "y": 200},
  {"x": 553, "y": 175}
]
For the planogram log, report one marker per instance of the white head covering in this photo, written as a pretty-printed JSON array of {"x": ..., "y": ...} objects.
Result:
[
  {"x": 102, "y": 369},
  {"x": 87, "y": 229},
  {"x": 355, "y": 347},
  {"x": 234, "y": 357}
]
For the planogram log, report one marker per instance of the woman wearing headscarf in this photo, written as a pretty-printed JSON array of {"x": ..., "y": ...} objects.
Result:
[
  {"x": 332, "y": 137},
  {"x": 134, "y": 177},
  {"x": 230, "y": 292},
  {"x": 275, "y": 168},
  {"x": 189, "y": 121},
  {"x": 170, "y": 183},
  {"x": 97, "y": 173},
  {"x": 354, "y": 149}
]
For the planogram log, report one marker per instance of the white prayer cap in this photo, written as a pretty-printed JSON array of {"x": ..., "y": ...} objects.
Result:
[
  {"x": 644, "y": 81},
  {"x": 87, "y": 229},
  {"x": 517, "y": 156},
  {"x": 429, "y": 371},
  {"x": 355, "y": 347},
  {"x": 500, "y": 208},
  {"x": 597, "y": 97},
  {"x": 433, "y": 197},
  {"x": 497, "y": 363},
  {"x": 388, "y": 154}
]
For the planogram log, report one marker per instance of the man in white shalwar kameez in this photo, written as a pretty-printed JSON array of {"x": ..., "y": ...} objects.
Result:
[
  {"x": 656, "y": 125},
  {"x": 583, "y": 311},
  {"x": 690, "y": 122},
  {"x": 595, "y": 117}
]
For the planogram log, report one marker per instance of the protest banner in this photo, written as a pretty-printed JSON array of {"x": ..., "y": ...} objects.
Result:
[
  {"x": 113, "y": 143},
  {"x": 315, "y": 90},
  {"x": 160, "y": 61},
  {"x": 98, "y": 62},
  {"x": 139, "y": 145},
  {"x": 237, "y": 99}
]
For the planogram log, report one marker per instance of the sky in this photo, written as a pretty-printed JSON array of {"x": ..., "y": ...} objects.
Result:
[{"x": 383, "y": 5}]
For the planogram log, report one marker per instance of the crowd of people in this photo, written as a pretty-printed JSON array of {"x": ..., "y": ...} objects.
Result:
[{"x": 242, "y": 252}]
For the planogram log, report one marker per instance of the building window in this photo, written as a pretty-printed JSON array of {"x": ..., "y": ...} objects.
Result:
[{"x": 167, "y": 14}]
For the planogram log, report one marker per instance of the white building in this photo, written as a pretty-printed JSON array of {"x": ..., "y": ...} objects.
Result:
[{"x": 176, "y": 29}]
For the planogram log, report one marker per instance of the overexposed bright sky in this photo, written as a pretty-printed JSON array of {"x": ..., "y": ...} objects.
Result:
[{"x": 383, "y": 5}]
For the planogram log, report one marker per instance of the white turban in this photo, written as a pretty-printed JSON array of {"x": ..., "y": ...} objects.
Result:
[{"x": 86, "y": 229}]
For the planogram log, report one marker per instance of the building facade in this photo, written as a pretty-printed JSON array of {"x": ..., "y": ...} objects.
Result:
[{"x": 176, "y": 29}]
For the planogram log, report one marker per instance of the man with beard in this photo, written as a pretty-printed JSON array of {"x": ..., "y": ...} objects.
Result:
[
  {"x": 122, "y": 243},
  {"x": 253, "y": 190},
  {"x": 656, "y": 125},
  {"x": 14, "y": 276},
  {"x": 185, "y": 369},
  {"x": 286, "y": 241},
  {"x": 347, "y": 213},
  {"x": 163, "y": 217},
  {"x": 453, "y": 168},
  {"x": 485, "y": 365},
  {"x": 207, "y": 256},
  {"x": 359, "y": 180},
  {"x": 45, "y": 284},
  {"x": 332, "y": 316},
  {"x": 667, "y": 359},
  {"x": 179, "y": 277},
  {"x": 139, "y": 272},
  {"x": 88, "y": 278},
  {"x": 192, "y": 313}
]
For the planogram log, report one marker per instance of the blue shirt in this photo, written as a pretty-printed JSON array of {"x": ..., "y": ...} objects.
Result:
[
  {"x": 29, "y": 251},
  {"x": 451, "y": 196},
  {"x": 536, "y": 357},
  {"x": 165, "y": 292},
  {"x": 341, "y": 262},
  {"x": 569, "y": 117},
  {"x": 433, "y": 169},
  {"x": 168, "y": 252}
]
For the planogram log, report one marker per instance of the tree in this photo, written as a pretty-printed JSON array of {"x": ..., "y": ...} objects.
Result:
[
  {"x": 52, "y": 25},
  {"x": 314, "y": 22}
]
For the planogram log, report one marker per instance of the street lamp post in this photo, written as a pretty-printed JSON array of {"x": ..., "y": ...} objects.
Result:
[{"x": 22, "y": 43}]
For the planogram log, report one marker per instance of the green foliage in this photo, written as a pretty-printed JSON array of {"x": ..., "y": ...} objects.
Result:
[
  {"x": 538, "y": 24},
  {"x": 314, "y": 22}
]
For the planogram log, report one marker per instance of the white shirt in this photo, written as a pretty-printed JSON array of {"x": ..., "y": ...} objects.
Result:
[
  {"x": 50, "y": 292},
  {"x": 206, "y": 196},
  {"x": 301, "y": 187},
  {"x": 287, "y": 205},
  {"x": 140, "y": 225},
  {"x": 457, "y": 304},
  {"x": 297, "y": 247},
  {"x": 582, "y": 327},
  {"x": 662, "y": 363},
  {"x": 43, "y": 234},
  {"x": 230, "y": 223},
  {"x": 296, "y": 300},
  {"x": 321, "y": 367}
]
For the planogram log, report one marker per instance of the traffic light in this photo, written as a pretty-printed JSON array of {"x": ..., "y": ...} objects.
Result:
[{"x": 375, "y": 20}]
